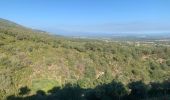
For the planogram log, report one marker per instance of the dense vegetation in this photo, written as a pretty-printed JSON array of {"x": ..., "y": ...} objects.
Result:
[{"x": 39, "y": 66}]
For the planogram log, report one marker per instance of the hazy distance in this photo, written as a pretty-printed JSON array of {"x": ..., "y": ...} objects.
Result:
[{"x": 93, "y": 17}]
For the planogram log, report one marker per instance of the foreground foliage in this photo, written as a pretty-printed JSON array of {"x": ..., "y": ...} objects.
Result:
[{"x": 112, "y": 91}]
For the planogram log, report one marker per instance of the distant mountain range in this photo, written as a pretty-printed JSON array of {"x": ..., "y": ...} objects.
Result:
[
  {"x": 9, "y": 24},
  {"x": 119, "y": 35}
]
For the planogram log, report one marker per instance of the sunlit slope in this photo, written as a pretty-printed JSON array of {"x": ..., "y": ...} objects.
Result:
[{"x": 41, "y": 61}]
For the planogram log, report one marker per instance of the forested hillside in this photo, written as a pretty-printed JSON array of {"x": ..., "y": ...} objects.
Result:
[{"x": 37, "y": 66}]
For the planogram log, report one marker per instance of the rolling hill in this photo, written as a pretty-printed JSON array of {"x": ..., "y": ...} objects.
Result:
[{"x": 32, "y": 60}]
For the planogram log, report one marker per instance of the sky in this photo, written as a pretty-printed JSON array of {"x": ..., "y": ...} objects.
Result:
[{"x": 90, "y": 16}]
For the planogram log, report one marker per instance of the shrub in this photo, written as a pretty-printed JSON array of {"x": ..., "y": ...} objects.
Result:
[
  {"x": 21, "y": 37},
  {"x": 138, "y": 90},
  {"x": 1, "y": 43},
  {"x": 168, "y": 62}
]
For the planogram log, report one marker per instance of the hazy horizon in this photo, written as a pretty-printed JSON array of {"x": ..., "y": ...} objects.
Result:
[{"x": 65, "y": 17}]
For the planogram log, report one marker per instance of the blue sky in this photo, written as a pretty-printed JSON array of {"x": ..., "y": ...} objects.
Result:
[{"x": 93, "y": 16}]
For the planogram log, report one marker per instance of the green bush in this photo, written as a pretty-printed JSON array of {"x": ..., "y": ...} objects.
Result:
[{"x": 168, "y": 62}]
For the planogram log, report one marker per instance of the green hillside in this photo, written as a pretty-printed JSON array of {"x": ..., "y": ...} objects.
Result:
[{"x": 32, "y": 61}]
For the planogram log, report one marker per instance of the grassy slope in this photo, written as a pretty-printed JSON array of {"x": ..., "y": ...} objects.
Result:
[{"x": 40, "y": 61}]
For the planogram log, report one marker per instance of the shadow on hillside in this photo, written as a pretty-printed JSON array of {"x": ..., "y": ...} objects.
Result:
[{"x": 112, "y": 91}]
